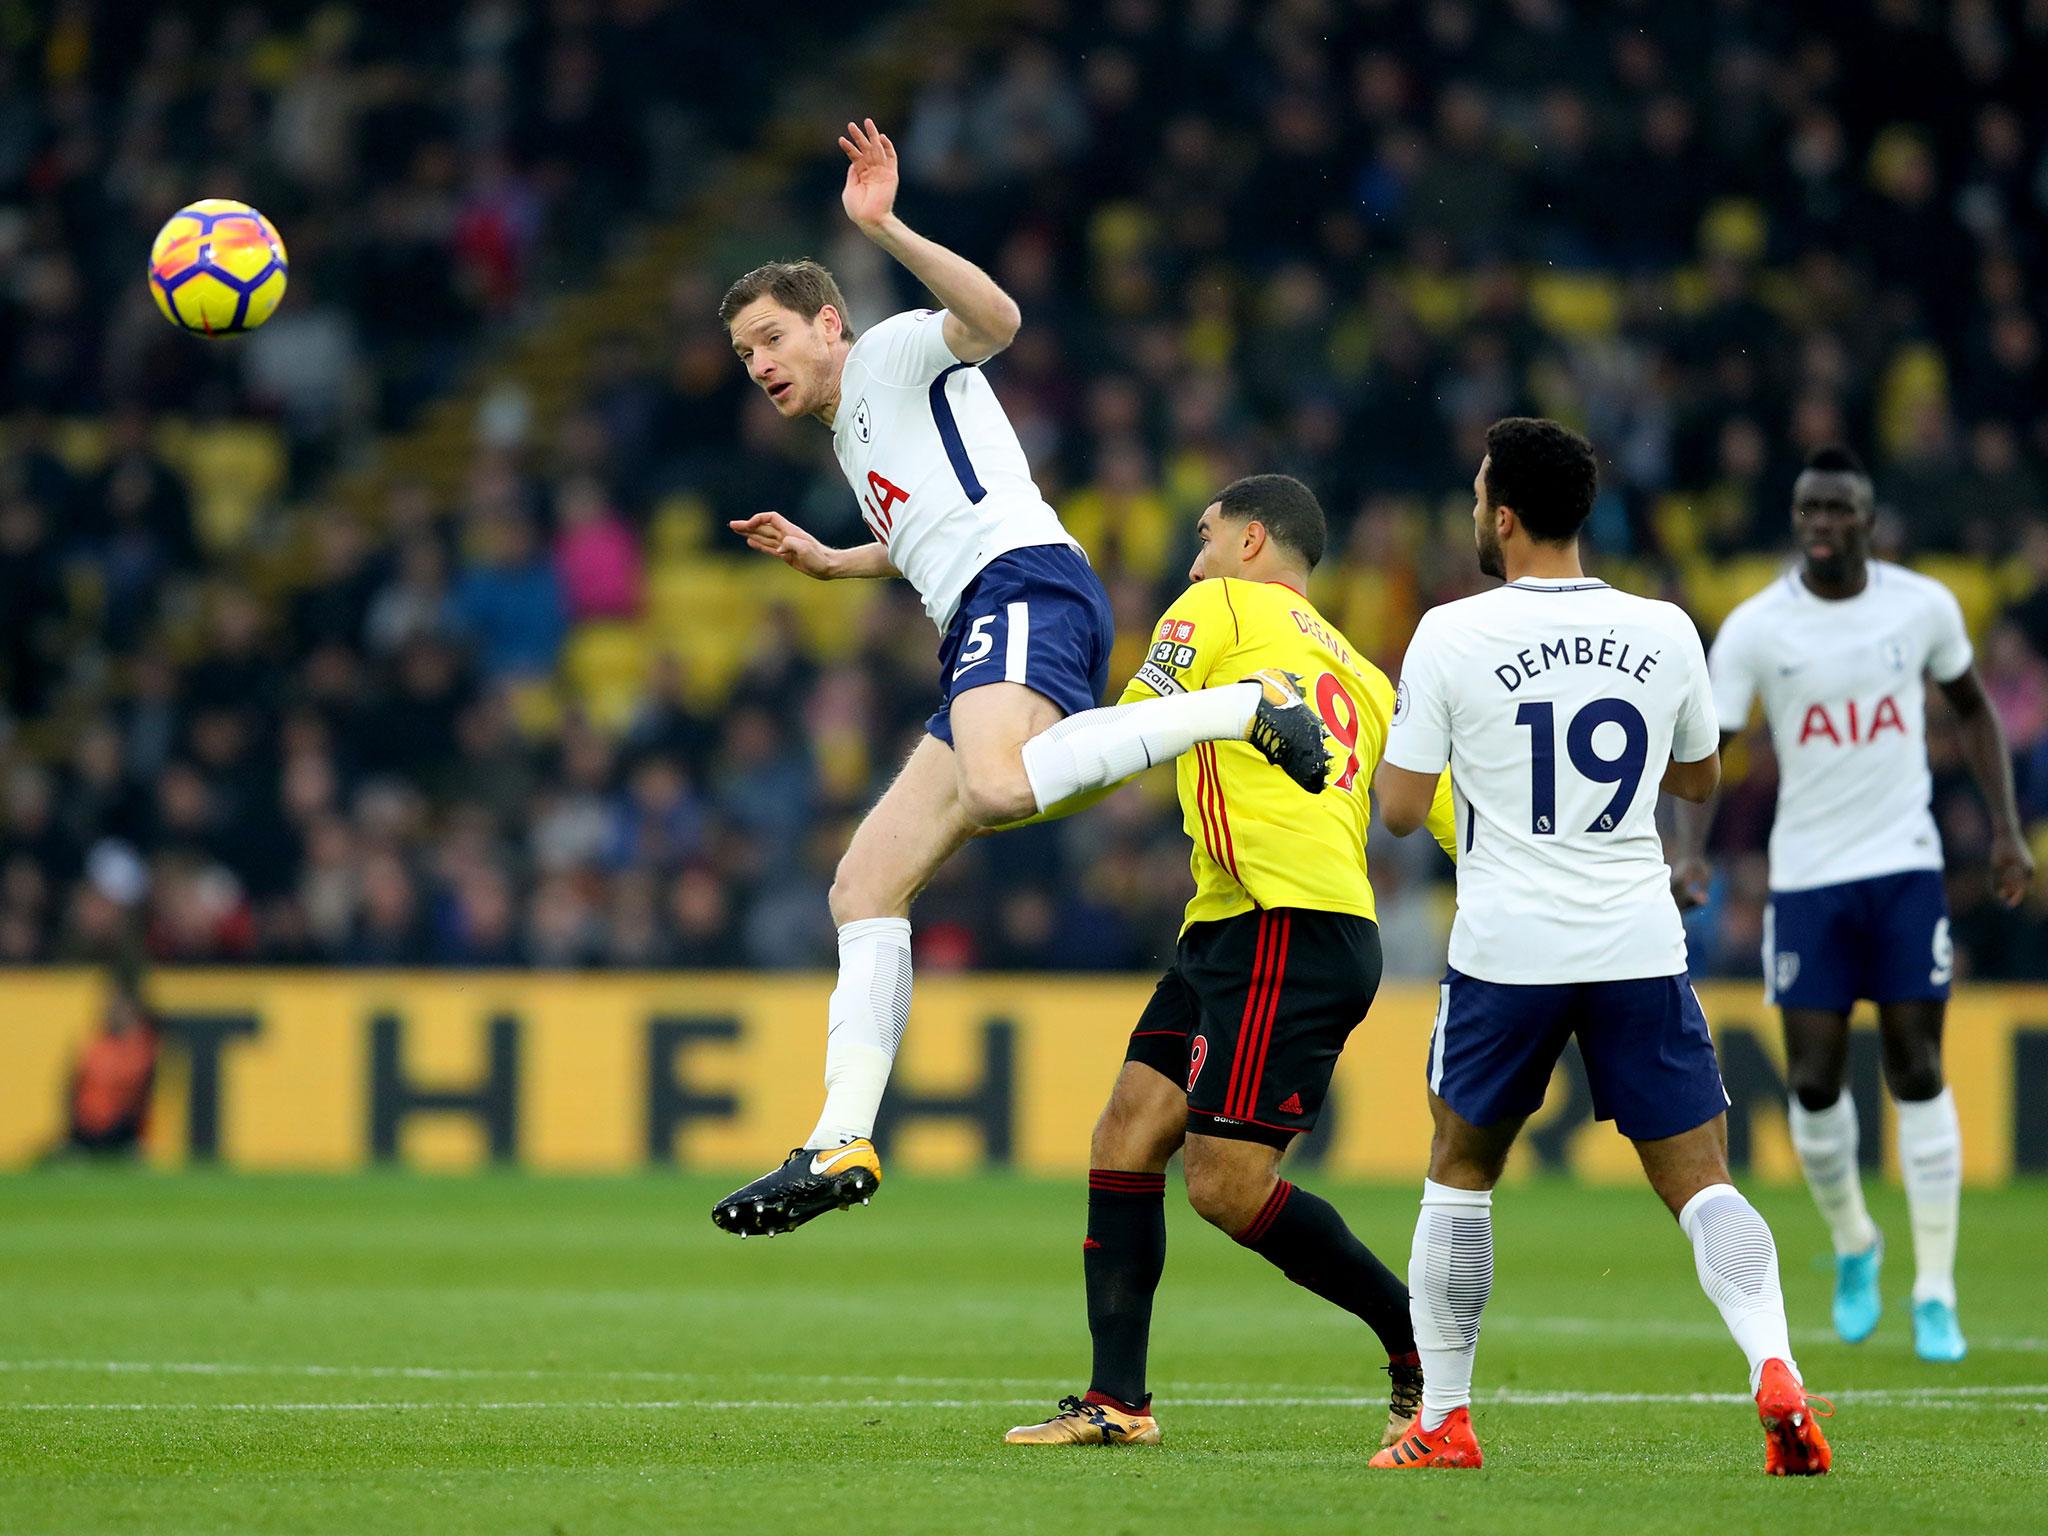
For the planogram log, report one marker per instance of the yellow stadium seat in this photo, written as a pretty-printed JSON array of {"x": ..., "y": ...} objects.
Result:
[
  {"x": 1917, "y": 377},
  {"x": 1131, "y": 534},
  {"x": 1735, "y": 226},
  {"x": 680, "y": 529},
  {"x": 1975, "y": 587},
  {"x": 81, "y": 443},
  {"x": 829, "y": 613},
  {"x": 536, "y": 709},
  {"x": 1441, "y": 301},
  {"x": 1713, "y": 588},
  {"x": 708, "y": 611},
  {"x": 606, "y": 668},
  {"x": 235, "y": 469},
  {"x": 1677, "y": 521},
  {"x": 1580, "y": 305}
]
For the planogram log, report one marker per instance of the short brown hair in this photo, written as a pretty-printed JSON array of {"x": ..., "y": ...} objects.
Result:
[{"x": 802, "y": 286}]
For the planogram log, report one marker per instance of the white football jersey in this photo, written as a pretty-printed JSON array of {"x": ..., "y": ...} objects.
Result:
[
  {"x": 1844, "y": 692},
  {"x": 1557, "y": 705},
  {"x": 935, "y": 464}
]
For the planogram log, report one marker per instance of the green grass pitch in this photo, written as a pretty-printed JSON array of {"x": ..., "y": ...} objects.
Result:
[{"x": 496, "y": 1354}]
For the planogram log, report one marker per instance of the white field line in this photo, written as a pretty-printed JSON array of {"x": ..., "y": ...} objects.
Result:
[
  {"x": 1955, "y": 1401},
  {"x": 1681, "y": 1328}
]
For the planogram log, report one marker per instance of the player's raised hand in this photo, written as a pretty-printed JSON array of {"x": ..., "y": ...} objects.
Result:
[
  {"x": 774, "y": 534},
  {"x": 1689, "y": 881},
  {"x": 871, "y": 177},
  {"x": 2012, "y": 868}
]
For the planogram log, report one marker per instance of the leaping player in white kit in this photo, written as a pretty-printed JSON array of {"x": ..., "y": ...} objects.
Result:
[
  {"x": 944, "y": 487},
  {"x": 1561, "y": 706},
  {"x": 1839, "y": 650}
]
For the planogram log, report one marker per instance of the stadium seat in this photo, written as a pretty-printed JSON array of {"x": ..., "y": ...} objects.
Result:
[
  {"x": 1972, "y": 581},
  {"x": 236, "y": 469},
  {"x": 606, "y": 665},
  {"x": 1576, "y": 305}
]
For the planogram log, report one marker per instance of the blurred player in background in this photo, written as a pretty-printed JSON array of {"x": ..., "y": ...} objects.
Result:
[
  {"x": 1839, "y": 650},
  {"x": 108, "y": 1102},
  {"x": 944, "y": 487},
  {"x": 1560, "y": 705},
  {"x": 1278, "y": 960}
]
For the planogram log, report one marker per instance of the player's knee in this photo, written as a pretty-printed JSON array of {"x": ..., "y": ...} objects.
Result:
[
  {"x": 1814, "y": 1087},
  {"x": 1464, "y": 1167},
  {"x": 856, "y": 895},
  {"x": 1225, "y": 1197},
  {"x": 1913, "y": 1077},
  {"x": 991, "y": 799}
]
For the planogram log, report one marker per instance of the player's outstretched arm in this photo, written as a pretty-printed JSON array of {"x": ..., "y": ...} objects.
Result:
[
  {"x": 2012, "y": 864},
  {"x": 774, "y": 534},
  {"x": 981, "y": 319}
]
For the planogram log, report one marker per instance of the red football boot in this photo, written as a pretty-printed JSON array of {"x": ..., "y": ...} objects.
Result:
[
  {"x": 1793, "y": 1443},
  {"x": 1450, "y": 1444}
]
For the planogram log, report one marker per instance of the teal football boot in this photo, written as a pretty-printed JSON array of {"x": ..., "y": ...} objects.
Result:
[
  {"x": 1858, "y": 1305},
  {"x": 1937, "y": 1336}
]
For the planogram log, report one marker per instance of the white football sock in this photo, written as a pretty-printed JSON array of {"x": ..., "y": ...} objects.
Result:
[
  {"x": 868, "y": 1010},
  {"x": 1450, "y": 1275},
  {"x": 1825, "y": 1140},
  {"x": 1931, "y": 1158},
  {"x": 1100, "y": 747},
  {"x": 1738, "y": 1265}
]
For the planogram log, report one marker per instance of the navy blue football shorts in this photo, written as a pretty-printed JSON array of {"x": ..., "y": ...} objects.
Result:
[
  {"x": 1885, "y": 939},
  {"x": 1649, "y": 1059},
  {"x": 1036, "y": 616}
]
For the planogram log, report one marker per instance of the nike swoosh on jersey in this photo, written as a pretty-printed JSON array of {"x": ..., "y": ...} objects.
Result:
[{"x": 970, "y": 666}]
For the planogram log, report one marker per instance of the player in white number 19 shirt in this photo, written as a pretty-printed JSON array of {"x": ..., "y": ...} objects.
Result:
[
  {"x": 1561, "y": 706},
  {"x": 944, "y": 488},
  {"x": 1838, "y": 651}
]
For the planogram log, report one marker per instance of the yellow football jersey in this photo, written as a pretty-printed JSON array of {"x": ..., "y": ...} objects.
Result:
[{"x": 1260, "y": 839}]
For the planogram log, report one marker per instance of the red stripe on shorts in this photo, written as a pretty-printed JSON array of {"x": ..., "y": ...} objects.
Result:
[
  {"x": 1254, "y": 1000},
  {"x": 1278, "y": 968}
]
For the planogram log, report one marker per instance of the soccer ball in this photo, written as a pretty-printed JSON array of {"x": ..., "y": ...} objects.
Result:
[{"x": 217, "y": 268}]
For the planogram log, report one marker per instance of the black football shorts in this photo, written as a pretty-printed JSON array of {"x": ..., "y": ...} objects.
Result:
[{"x": 1253, "y": 1013}]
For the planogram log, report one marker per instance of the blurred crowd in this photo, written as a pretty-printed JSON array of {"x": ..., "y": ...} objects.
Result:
[
  {"x": 431, "y": 168},
  {"x": 1335, "y": 239}
]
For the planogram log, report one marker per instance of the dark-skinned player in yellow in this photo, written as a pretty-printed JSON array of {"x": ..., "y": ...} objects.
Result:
[{"x": 1277, "y": 963}]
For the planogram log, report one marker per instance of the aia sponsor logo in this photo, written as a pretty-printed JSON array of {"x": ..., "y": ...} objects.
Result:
[
  {"x": 878, "y": 503},
  {"x": 1851, "y": 724}
]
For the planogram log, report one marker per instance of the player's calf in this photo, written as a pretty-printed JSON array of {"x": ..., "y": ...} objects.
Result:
[{"x": 1233, "y": 1185}]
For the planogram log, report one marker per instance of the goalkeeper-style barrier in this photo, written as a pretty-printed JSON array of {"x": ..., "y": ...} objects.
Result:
[{"x": 332, "y": 1070}]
